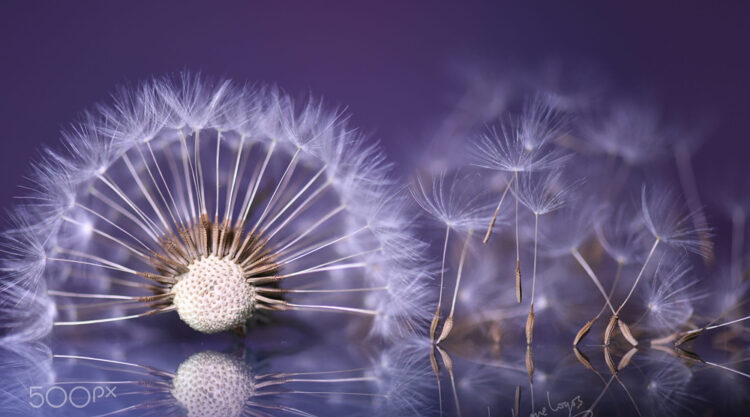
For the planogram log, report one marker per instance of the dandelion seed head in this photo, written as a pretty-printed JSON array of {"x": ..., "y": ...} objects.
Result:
[{"x": 220, "y": 202}]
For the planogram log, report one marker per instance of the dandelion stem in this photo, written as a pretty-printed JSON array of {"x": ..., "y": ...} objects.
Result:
[
  {"x": 436, "y": 318},
  {"x": 576, "y": 254},
  {"x": 726, "y": 368},
  {"x": 716, "y": 326},
  {"x": 533, "y": 276},
  {"x": 587, "y": 327},
  {"x": 518, "y": 249},
  {"x": 640, "y": 275},
  {"x": 531, "y": 319},
  {"x": 448, "y": 325},
  {"x": 497, "y": 210},
  {"x": 618, "y": 273}
]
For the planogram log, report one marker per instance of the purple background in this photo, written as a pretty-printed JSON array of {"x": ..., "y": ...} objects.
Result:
[{"x": 386, "y": 61}]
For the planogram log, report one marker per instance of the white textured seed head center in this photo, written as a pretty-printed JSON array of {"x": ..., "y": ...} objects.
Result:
[
  {"x": 213, "y": 296},
  {"x": 211, "y": 384}
]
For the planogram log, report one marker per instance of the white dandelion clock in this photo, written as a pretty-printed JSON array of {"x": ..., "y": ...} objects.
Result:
[{"x": 220, "y": 203}]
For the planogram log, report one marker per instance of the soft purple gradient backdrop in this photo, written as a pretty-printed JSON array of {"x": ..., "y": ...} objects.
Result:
[{"x": 385, "y": 61}]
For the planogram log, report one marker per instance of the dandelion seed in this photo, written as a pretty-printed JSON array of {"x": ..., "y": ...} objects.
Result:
[
  {"x": 450, "y": 200},
  {"x": 541, "y": 194},
  {"x": 669, "y": 296},
  {"x": 667, "y": 224},
  {"x": 522, "y": 147},
  {"x": 448, "y": 325}
]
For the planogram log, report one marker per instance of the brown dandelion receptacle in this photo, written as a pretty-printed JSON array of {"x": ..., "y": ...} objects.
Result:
[{"x": 217, "y": 276}]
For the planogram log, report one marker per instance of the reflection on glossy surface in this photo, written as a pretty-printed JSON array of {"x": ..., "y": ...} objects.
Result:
[{"x": 465, "y": 375}]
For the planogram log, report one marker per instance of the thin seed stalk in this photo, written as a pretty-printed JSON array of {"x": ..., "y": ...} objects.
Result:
[
  {"x": 448, "y": 325},
  {"x": 586, "y": 267},
  {"x": 640, "y": 275},
  {"x": 532, "y": 318},
  {"x": 436, "y": 318},
  {"x": 518, "y": 249},
  {"x": 497, "y": 210},
  {"x": 587, "y": 327},
  {"x": 519, "y": 294}
]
